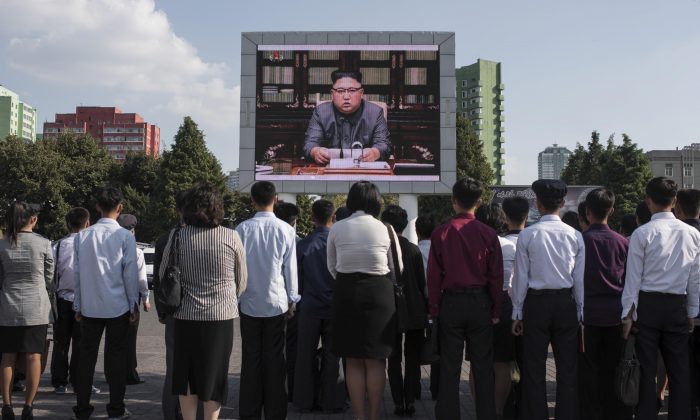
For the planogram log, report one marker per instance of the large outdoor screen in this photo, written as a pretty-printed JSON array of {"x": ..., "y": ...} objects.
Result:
[{"x": 347, "y": 112}]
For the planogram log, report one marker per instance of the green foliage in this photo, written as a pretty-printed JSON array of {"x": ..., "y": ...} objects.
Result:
[
  {"x": 305, "y": 222},
  {"x": 623, "y": 168}
]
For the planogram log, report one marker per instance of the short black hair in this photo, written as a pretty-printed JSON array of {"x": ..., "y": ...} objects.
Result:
[
  {"x": 339, "y": 74},
  {"x": 77, "y": 217},
  {"x": 599, "y": 202},
  {"x": 263, "y": 193},
  {"x": 287, "y": 212},
  {"x": 571, "y": 219},
  {"x": 396, "y": 216},
  {"x": 628, "y": 224},
  {"x": 425, "y": 225},
  {"x": 516, "y": 209},
  {"x": 109, "y": 198},
  {"x": 582, "y": 213},
  {"x": 492, "y": 215},
  {"x": 662, "y": 190},
  {"x": 642, "y": 213},
  {"x": 364, "y": 196},
  {"x": 342, "y": 213},
  {"x": 551, "y": 203},
  {"x": 689, "y": 201},
  {"x": 203, "y": 206},
  {"x": 467, "y": 191},
  {"x": 180, "y": 198},
  {"x": 322, "y": 211}
]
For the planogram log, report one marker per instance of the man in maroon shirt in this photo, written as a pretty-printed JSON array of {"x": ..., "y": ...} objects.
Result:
[
  {"x": 465, "y": 288},
  {"x": 603, "y": 282}
]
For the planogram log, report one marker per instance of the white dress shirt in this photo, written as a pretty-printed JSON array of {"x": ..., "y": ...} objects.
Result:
[
  {"x": 106, "y": 271},
  {"x": 550, "y": 255},
  {"x": 271, "y": 259},
  {"x": 664, "y": 256},
  {"x": 508, "y": 250},
  {"x": 424, "y": 247},
  {"x": 143, "y": 278},
  {"x": 65, "y": 268},
  {"x": 360, "y": 244}
]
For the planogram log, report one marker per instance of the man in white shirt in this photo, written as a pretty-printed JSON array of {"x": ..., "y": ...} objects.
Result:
[
  {"x": 549, "y": 268},
  {"x": 129, "y": 222},
  {"x": 271, "y": 296},
  {"x": 106, "y": 297},
  {"x": 661, "y": 294},
  {"x": 66, "y": 328}
]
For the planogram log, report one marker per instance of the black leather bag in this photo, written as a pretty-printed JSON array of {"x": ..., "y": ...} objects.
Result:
[
  {"x": 430, "y": 349},
  {"x": 627, "y": 375},
  {"x": 169, "y": 292},
  {"x": 399, "y": 296}
]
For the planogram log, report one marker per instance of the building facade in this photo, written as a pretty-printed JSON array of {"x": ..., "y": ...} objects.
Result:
[
  {"x": 678, "y": 165},
  {"x": 552, "y": 161},
  {"x": 480, "y": 100},
  {"x": 234, "y": 180},
  {"x": 118, "y": 133},
  {"x": 16, "y": 117}
]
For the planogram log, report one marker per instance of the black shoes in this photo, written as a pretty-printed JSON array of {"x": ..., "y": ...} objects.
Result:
[
  {"x": 27, "y": 412},
  {"x": 399, "y": 411},
  {"x": 409, "y": 411},
  {"x": 7, "y": 413}
]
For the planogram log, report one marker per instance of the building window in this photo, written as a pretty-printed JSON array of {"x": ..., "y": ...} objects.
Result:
[
  {"x": 668, "y": 170},
  {"x": 464, "y": 94},
  {"x": 687, "y": 169},
  {"x": 464, "y": 83},
  {"x": 464, "y": 104}
]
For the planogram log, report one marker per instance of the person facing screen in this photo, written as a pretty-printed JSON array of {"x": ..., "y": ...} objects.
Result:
[{"x": 347, "y": 122}]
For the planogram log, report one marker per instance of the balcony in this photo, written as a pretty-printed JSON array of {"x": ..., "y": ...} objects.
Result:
[
  {"x": 501, "y": 98},
  {"x": 501, "y": 128},
  {"x": 501, "y": 118},
  {"x": 501, "y": 87}
]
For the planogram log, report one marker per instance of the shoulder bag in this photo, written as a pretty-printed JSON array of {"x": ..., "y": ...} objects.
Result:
[
  {"x": 399, "y": 296},
  {"x": 169, "y": 291},
  {"x": 627, "y": 375}
]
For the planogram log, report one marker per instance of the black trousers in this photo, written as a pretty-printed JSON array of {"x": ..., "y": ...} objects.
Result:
[
  {"x": 695, "y": 370},
  {"x": 115, "y": 363},
  {"x": 263, "y": 368},
  {"x": 290, "y": 350},
  {"x": 549, "y": 318},
  {"x": 466, "y": 316},
  {"x": 170, "y": 402},
  {"x": 132, "y": 376},
  {"x": 330, "y": 384},
  {"x": 596, "y": 374},
  {"x": 662, "y": 323},
  {"x": 65, "y": 330},
  {"x": 405, "y": 386}
]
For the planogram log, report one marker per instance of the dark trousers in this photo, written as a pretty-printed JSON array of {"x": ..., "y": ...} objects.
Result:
[
  {"x": 132, "y": 376},
  {"x": 596, "y": 374},
  {"x": 115, "y": 363},
  {"x": 435, "y": 380},
  {"x": 405, "y": 386},
  {"x": 65, "y": 330},
  {"x": 662, "y": 323},
  {"x": 262, "y": 368},
  {"x": 170, "y": 402},
  {"x": 466, "y": 316},
  {"x": 549, "y": 318},
  {"x": 291, "y": 352},
  {"x": 695, "y": 370},
  {"x": 331, "y": 389}
]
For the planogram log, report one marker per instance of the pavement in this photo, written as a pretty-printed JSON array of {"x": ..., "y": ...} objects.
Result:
[{"x": 143, "y": 401}]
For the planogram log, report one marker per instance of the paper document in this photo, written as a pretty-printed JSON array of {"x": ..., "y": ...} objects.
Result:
[{"x": 349, "y": 163}]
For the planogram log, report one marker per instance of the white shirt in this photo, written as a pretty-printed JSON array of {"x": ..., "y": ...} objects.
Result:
[
  {"x": 424, "y": 247},
  {"x": 664, "y": 256},
  {"x": 143, "y": 279},
  {"x": 106, "y": 275},
  {"x": 271, "y": 259},
  {"x": 65, "y": 269},
  {"x": 360, "y": 244},
  {"x": 508, "y": 250},
  {"x": 550, "y": 255}
]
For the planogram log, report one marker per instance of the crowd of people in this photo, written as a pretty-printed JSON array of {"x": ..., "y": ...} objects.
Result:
[{"x": 327, "y": 318}]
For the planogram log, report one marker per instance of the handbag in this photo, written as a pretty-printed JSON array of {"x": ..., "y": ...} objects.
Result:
[
  {"x": 169, "y": 291},
  {"x": 430, "y": 350},
  {"x": 627, "y": 375},
  {"x": 399, "y": 296}
]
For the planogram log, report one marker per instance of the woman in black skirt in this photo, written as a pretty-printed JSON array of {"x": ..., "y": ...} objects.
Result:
[
  {"x": 26, "y": 293},
  {"x": 212, "y": 263},
  {"x": 363, "y": 320}
]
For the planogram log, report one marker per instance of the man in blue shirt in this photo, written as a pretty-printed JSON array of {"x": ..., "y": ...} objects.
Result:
[
  {"x": 106, "y": 297},
  {"x": 269, "y": 299},
  {"x": 317, "y": 287}
]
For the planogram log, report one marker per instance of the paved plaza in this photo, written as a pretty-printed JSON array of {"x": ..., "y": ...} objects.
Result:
[{"x": 144, "y": 400}]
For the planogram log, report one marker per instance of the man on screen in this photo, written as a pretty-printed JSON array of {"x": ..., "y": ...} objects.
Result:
[{"x": 347, "y": 121}]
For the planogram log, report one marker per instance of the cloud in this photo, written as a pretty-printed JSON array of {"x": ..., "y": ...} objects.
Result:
[{"x": 126, "y": 45}]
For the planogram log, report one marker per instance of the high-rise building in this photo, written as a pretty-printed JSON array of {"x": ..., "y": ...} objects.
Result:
[
  {"x": 552, "y": 161},
  {"x": 16, "y": 117},
  {"x": 234, "y": 180},
  {"x": 679, "y": 165},
  {"x": 116, "y": 132},
  {"x": 480, "y": 100}
]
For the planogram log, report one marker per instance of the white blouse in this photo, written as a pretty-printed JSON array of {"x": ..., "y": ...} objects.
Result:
[{"x": 360, "y": 244}]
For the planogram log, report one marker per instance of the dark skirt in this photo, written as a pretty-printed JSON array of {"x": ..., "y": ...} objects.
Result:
[
  {"x": 201, "y": 358},
  {"x": 364, "y": 323},
  {"x": 24, "y": 339}
]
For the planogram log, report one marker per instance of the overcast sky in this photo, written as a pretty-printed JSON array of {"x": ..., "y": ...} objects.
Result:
[{"x": 569, "y": 67}]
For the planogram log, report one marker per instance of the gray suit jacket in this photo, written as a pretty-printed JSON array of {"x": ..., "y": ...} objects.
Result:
[
  {"x": 26, "y": 280},
  {"x": 367, "y": 126}
]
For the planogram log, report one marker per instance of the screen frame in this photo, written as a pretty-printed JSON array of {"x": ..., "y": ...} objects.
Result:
[{"x": 445, "y": 42}]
